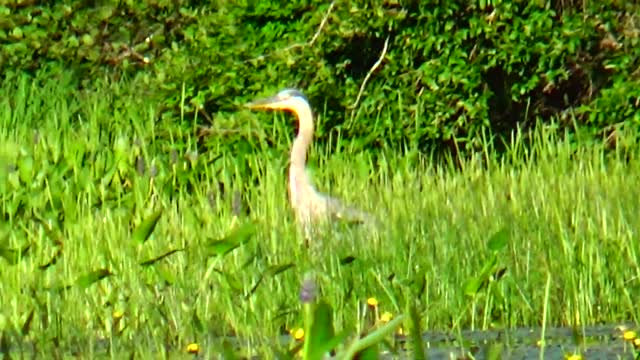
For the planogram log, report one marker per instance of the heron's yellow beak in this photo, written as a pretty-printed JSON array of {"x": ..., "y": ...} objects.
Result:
[{"x": 272, "y": 102}]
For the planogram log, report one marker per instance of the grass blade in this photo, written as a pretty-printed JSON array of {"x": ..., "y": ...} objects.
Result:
[
  {"x": 416, "y": 333},
  {"x": 52, "y": 261},
  {"x": 373, "y": 338},
  {"x": 270, "y": 271},
  {"x": 158, "y": 258},
  {"x": 26, "y": 327},
  {"x": 167, "y": 275},
  {"x": 14, "y": 256}
]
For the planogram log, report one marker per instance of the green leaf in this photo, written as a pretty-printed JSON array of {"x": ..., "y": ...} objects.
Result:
[
  {"x": 227, "y": 350},
  {"x": 238, "y": 236},
  {"x": 274, "y": 270},
  {"x": 474, "y": 285},
  {"x": 196, "y": 322},
  {"x": 167, "y": 275},
  {"x": 231, "y": 280},
  {"x": 142, "y": 233},
  {"x": 340, "y": 338},
  {"x": 369, "y": 353},
  {"x": 52, "y": 261},
  {"x": 25, "y": 169},
  {"x": 270, "y": 271},
  {"x": 14, "y": 256},
  {"x": 496, "y": 243},
  {"x": 495, "y": 350},
  {"x": 84, "y": 281},
  {"x": 347, "y": 260},
  {"x": 499, "y": 240},
  {"x": 320, "y": 334}
]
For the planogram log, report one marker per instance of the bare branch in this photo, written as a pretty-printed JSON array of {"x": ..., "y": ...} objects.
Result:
[
  {"x": 369, "y": 73},
  {"x": 322, "y": 23}
]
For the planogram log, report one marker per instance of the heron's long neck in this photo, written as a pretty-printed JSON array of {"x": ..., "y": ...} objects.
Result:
[{"x": 303, "y": 140}]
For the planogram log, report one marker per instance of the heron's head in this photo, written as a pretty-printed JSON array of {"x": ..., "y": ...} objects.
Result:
[{"x": 287, "y": 99}]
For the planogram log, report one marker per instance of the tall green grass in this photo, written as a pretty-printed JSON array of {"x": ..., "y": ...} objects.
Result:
[{"x": 81, "y": 173}]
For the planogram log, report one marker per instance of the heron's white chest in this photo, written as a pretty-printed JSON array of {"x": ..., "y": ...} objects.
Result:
[
  {"x": 296, "y": 186},
  {"x": 301, "y": 194}
]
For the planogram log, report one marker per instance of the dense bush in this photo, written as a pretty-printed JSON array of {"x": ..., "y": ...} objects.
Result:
[{"x": 450, "y": 70}]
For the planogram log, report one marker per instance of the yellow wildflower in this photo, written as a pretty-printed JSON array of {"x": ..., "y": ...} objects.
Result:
[
  {"x": 386, "y": 317},
  {"x": 193, "y": 348},
  {"x": 629, "y": 335},
  {"x": 298, "y": 333}
]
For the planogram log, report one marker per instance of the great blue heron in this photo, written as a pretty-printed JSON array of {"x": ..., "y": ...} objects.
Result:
[{"x": 309, "y": 206}]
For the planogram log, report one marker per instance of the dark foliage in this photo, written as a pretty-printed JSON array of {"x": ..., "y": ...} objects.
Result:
[{"x": 452, "y": 70}]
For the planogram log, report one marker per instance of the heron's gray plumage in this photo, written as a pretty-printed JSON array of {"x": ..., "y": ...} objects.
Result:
[
  {"x": 293, "y": 93},
  {"x": 309, "y": 206}
]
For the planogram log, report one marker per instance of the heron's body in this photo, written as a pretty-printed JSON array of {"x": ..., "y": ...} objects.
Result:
[{"x": 309, "y": 206}]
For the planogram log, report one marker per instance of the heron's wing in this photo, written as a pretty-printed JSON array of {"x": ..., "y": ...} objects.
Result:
[{"x": 342, "y": 212}]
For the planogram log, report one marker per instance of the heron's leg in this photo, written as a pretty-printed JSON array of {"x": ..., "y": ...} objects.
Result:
[
  {"x": 304, "y": 235},
  {"x": 312, "y": 239},
  {"x": 307, "y": 236}
]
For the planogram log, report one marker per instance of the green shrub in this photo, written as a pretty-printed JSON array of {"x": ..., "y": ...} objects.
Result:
[{"x": 451, "y": 71}]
